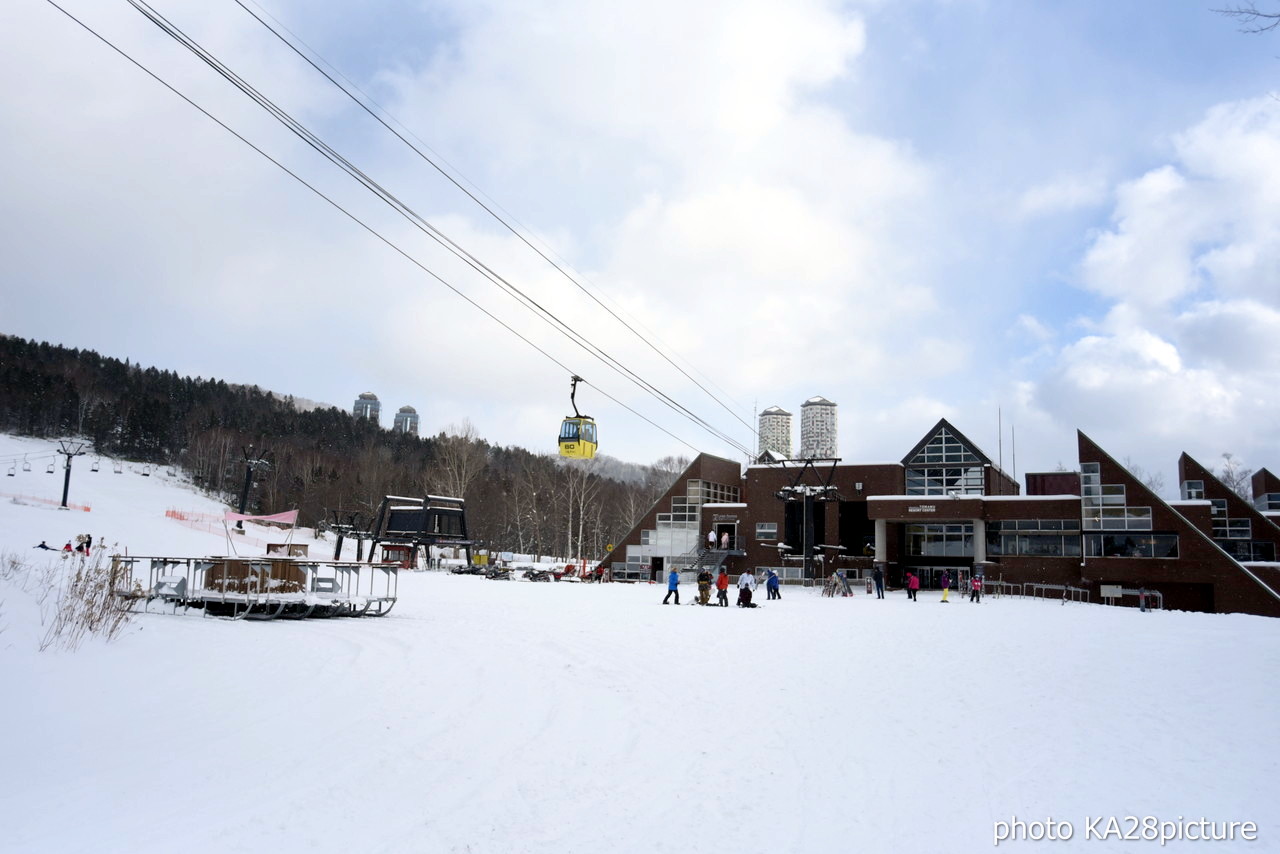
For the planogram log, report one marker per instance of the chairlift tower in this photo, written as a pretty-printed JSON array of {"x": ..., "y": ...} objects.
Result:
[
  {"x": 808, "y": 496},
  {"x": 250, "y": 466},
  {"x": 70, "y": 451}
]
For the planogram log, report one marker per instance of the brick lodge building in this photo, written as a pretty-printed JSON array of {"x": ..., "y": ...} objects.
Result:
[{"x": 947, "y": 506}]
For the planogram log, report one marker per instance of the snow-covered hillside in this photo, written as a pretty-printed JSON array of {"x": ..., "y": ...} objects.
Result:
[{"x": 515, "y": 717}]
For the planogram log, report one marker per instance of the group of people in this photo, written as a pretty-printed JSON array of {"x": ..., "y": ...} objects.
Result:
[
  {"x": 84, "y": 542},
  {"x": 913, "y": 585},
  {"x": 746, "y": 587}
]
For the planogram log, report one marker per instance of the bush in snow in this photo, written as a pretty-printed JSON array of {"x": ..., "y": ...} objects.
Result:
[{"x": 87, "y": 603}]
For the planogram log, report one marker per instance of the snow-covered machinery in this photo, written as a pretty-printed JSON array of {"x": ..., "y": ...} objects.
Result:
[{"x": 260, "y": 588}]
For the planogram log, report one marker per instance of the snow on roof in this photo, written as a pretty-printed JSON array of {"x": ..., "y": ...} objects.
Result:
[
  {"x": 817, "y": 401},
  {"x": 723, "y": 504},
  {"x": 961, "y": 497}
]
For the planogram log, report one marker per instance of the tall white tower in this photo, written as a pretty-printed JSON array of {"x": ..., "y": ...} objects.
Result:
[
  {"x": 818, "y": 438},
  {"x": 775, "y": 432}
]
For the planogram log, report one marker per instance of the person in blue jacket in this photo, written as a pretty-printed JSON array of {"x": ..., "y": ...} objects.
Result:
[
  {"x": 771, "y": 585},
  {"x": 673, "y": 587}
]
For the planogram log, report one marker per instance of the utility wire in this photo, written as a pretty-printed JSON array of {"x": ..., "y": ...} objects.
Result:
[
  {"x": 350, "y": 215},
  {"x": 561, "y": 269},
  {"x": 418, "y": 221}
]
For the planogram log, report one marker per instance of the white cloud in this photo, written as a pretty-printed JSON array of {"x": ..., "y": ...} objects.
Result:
[
  {"x": 1062, "y": 195},
  {"x": 1185, "y": 357}
]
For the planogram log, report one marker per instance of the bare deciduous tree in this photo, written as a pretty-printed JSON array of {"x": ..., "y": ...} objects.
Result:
[
  {"x": 1251, "y": 18},
  {"x": 1236, "y": 477}
]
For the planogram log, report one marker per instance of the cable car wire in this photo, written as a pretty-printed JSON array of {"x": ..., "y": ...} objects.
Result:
[
  {"x": 421, "y": 223},
  {"x": 563, "y": 272},
  {"x": 352, "y": 216}
]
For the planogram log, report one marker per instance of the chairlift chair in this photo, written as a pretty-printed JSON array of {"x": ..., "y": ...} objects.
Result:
[
  {"x": 577, "y": 432},
  {"x": 26, "y": 466},
  {"x": 13, "y": 470},
  {"x": 117, "y": 467},
  {"x": 49, "y": 470},
  {"x": 94, "y": 467}
]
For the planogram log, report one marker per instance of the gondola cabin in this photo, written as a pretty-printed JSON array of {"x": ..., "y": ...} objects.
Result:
[{"x": 578, "y": 438}]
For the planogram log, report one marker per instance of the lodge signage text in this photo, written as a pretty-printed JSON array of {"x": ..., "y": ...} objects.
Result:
[{"x": 922, "y": 508}]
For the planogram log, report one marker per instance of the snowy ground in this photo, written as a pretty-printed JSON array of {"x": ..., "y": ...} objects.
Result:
[{"x": 514, "y": 717}]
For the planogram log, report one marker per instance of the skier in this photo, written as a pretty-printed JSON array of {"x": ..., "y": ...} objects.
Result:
[
  {"x": 722, "y": 588},
  {"x": 746, "y": 584},
  {"x": 44, "y": 545},
  {"x": 975, "y": 589},
  {"x": 771, "y": 585},
  {"x": 913, "y": 586},
  {"x": 878, "y": 575},
  {"x": 946, "y": 584},
  {"x": 673, "y": 586},
  {"x": 704, "y": 586},
  {"x": 67, "y": 547}
]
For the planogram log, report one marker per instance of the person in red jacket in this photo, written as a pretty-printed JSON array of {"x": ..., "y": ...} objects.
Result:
[
  {"x": 722, "y": 588},
  {"x": 975, "y": 589},
  {"x": 913, "y": 586}
]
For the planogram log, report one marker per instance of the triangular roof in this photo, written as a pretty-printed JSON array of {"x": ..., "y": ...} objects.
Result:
[
  {"x": 960, "y": 437},
  {"x": 775, "y": 410},
  {"x": 817, "y": 401},
  {"x": 1189, "y": 468}
]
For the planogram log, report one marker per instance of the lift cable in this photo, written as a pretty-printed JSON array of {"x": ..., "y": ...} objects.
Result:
[
  {"x": 414, "y": 218},
  {"x": 559, "y": 268},
  {"x": 352, "y": 216}
]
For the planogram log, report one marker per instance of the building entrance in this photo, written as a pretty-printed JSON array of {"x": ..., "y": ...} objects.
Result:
[{"x": 726, "y": 535}]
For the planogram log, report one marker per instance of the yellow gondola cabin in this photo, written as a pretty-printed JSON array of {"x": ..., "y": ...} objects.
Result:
[{"x": 577, "y": 432}]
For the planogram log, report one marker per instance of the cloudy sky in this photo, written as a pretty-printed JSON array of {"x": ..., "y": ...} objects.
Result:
[{"x": 1068, "y": 213}]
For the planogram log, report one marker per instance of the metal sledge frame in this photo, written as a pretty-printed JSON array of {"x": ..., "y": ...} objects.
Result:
[{"x": 257, "y": 588}]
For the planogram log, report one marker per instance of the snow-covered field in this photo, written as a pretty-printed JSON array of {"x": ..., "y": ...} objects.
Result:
[{"x": 514, "y": 717}]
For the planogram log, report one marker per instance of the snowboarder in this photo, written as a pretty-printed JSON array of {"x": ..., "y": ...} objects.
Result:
[
  {"x": 44, "y": 545},
  {"x": 673, "y": 586},
  {"x": 771, "y": 585},
  {"x": 975, "y": 589},
  {"x": 746, "y": 584},
  {"x": 878, "y": 575},
  {"x": 704, "y": 586},
  {"x": 946, "y": 584},
  {"x": 913, "y": 586},
  {"x": 722, "y": 588}
]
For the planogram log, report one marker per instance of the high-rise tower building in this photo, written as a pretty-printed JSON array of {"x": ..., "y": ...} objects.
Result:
[
  {"x": 818, "y": 438},
  {"x": 406, "y": 421},
  {"x": 775, "y": 433},
  {"x": 368, "y": 406}
]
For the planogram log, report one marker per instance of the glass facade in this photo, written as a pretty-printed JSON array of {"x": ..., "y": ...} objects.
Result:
[
  {"x": 943, "y": 466},
  {"x": 1193, "y": 490},
  {"x": 953, "y": 539},
  {"x": 1104, "y": 506},
  {"x": 1131, "y": 545},
  {"x": 766, "y": 530},
  {"x": 1036, "y": 537}
]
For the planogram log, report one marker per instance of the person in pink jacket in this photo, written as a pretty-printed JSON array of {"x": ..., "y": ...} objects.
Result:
[{"x": 913, "y": 586}]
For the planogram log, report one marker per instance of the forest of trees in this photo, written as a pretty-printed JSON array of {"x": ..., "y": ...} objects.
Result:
[{"x": 321, "y": 460}]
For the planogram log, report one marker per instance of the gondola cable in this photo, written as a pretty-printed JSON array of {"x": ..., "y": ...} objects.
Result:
[
  {"x": 563, "y": 272},
  {"x": 418, "y": 221},
  {"x": 351, "y": 216}
]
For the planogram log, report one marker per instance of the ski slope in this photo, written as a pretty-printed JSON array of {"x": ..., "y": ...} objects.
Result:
[{"x": 489, "y": 716}]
